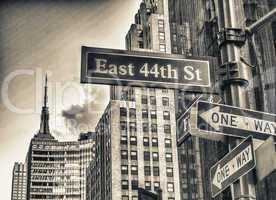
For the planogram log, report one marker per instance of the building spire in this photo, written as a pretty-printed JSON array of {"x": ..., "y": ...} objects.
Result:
[
  {"x": 44, "y": 123},
  {"x": 45, "y": 91}
]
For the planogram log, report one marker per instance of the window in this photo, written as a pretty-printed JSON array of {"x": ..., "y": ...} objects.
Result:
[
  {"x": 132, "y": 126},
  {"x": 145, "y": 114},
  {"x": 146, "y": 155},
  {"x": 125, "y": 184},
  {"x": 155, "y": 156},
  {"x": 167, "y": 128},
  {"x": 165, "y": 90},
  {"x": 162, "y": 47},
  {"x": 133, "y": 140},
  {"x": 153, "y": 114},
  {"x": 154, "y": 128},
  {"x": 134, "y": 184},
  {"x": 152, "y": 100},
  {"x": 145, "y": 127},
  {"x": 169, "y": 172},
  {"x": 154, "y": 142},
  {"x": 160, "y": 24},
  {"x": 156, "y": 186},
  {"x": 124, "y": 140},
  {"x": 165, "y": 101},
  {"x": 123, "y": 126},
  {"x": 168, "y": 143},
  {"x": 141, "y": 44},
  {"x": 166, "y": 115},
  {"x": 168, "y": 157},
  {"x": 134, "y": 170},
  {"x": 123, "y": 112},
  {"x": 147, "y": 185},
  {"x": 134, "y": 198},
  {"x": 161, "y": 36},
  {"x": 155, "y": 171},
  {"x": 132, "y": 113},
  {"x": 175, "y": 49},
  {"x": 124, "y": 154},
  {"x": 174, "y": 37},
  {"x": 146, "y": 141},
  {"x": 147, "y": 171},
  {"x": 125, "y": 197},
  {"x": 124, "y": 169},
  {"x": 144, "y": 99},
  {"x": 133, "y": 155},
  {"x": 170, "y": 187}
]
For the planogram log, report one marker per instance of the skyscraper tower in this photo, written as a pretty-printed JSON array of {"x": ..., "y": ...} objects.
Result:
[
  {"x": 136, "y": 135},
  {"x": 57, "y": 170}
]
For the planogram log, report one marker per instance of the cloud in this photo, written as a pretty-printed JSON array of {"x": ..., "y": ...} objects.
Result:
[{"x": 83, "y": 118}]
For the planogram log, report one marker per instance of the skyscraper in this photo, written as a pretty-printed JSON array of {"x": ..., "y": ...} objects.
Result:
[
  {"x": 136, "y": 135},
  {"x": 19, "y": 182},
  {"x": 193, "y": 31},
  {"x": 194, "y": 157},
  {"x": 53, "y": 169}
]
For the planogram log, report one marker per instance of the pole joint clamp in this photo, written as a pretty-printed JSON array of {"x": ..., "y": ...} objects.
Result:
[
  {"x": 235, "y": 36},
  {"x": 234, "y": 71}
]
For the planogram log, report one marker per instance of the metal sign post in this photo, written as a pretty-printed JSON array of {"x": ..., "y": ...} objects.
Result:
[{"x": 234, "y": 76}]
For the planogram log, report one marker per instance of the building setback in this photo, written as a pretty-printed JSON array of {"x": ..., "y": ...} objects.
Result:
[
  {"x": 53, "y": 169},
  {"x": 19, "y": 182}
]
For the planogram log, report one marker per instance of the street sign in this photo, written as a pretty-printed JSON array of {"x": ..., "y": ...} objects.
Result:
[
  {"x": 234, "y": 121},
  {"x": 232, "y": 166},
  {"x": 118, "y": 67}
]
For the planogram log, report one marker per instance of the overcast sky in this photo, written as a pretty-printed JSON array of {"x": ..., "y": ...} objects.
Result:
[{"x": 46, "y": 36}]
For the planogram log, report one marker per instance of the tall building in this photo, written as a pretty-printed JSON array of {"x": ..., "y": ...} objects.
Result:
[
  {"x": 136, "y": 146},
  {"x": 136, "y": 135},
  {"x": 54, "y": 170},
  {"x": 192, "y": 30},
  {"x": 195, "y": 158},
  {"x": 19, "y": 182}
]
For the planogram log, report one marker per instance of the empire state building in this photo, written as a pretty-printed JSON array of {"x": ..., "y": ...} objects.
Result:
[{"x": 55, "y": 169}]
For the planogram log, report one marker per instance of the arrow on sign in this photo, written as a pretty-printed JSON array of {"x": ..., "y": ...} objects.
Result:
[
  {"x": 231, "y": 167},
  {"x": 217, "y": 120}
]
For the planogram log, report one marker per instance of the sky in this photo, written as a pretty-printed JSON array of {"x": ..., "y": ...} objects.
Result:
[{"x": 39, "y": 37}]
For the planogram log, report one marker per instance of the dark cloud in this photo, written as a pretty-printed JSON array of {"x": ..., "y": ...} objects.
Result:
[{"x": 85, "y": 117}]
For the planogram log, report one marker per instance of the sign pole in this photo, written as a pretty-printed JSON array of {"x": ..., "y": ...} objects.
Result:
[{"x": 235, "y": 77}]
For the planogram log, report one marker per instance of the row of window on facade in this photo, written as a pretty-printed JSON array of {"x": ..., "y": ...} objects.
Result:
[
  {"x": 145, "y": 113},
  {"x": 147, "y": 170},
  {"x": 156, "y": 185},
  {"x": 161, "y": 35},
  {"x": 146, "y": 143},
  {"x": 155, "y": 156},
  {"x": 145, "y": 127}
]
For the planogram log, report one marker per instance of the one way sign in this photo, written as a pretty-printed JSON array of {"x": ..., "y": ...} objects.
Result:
[
  {"x": 234, "y": 165},
  {"x": 234, "y": 121}
]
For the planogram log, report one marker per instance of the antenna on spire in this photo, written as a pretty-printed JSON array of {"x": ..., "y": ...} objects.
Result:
[{"x": 45, "y": 91}]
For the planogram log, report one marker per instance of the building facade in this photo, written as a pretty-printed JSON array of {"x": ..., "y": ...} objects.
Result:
[
  {"x": 136, "y": 146},
  {"x": 195, "y": 158},
  {"x": 53, "y": 169},
  {"x": 193, "y": 30},
  {"x": 19, "y": 182},
  {"x": 57, "y": 170}
]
